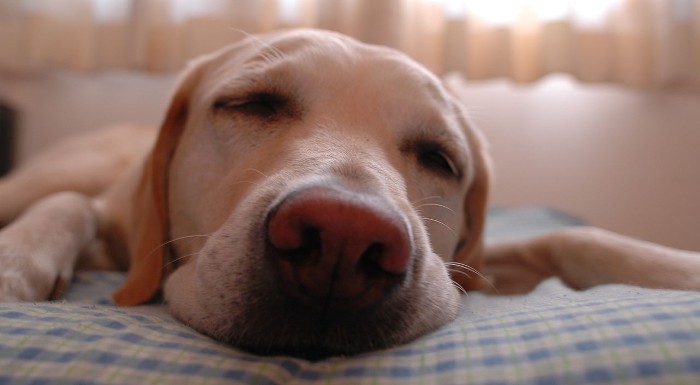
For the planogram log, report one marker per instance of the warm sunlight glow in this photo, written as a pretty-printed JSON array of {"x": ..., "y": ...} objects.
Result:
[
  {"x": 496, "y": 12},
  {"x": 503, "y": 12}
]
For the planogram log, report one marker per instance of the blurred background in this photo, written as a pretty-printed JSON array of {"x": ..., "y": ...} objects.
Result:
[{"x": 590, "y": 106}]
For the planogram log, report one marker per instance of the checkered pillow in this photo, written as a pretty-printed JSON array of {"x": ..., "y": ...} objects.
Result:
[{"x": 607, "y": 335}]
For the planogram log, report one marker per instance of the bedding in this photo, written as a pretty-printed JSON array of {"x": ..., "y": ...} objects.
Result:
[{"x": 554, "y": 335}]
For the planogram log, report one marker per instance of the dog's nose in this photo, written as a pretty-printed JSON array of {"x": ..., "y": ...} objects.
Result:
[{"x": 339, "y": 248}]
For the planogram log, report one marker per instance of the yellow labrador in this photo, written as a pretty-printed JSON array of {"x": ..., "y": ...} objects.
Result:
[{"x": 306, "y": 194}]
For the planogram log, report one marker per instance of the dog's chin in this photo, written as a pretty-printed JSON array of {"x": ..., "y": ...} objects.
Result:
[
  {"x": 311, "y": 351},
  {"x": 288, "y": 328},
  {"x": 255, "y": 316},
  {"x": 238, "y": 298}
]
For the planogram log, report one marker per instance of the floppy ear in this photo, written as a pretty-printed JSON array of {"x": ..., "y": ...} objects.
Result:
[
  {"x": 471, "y": 246},
  {"x": 149, "y": 227}
]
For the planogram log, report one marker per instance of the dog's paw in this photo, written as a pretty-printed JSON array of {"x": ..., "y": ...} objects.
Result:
[{"x": 22, "y": 278}]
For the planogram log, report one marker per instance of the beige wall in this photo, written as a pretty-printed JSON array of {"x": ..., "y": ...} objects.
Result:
[
  {"x": 623, "y": 159},
  {"x": 55, "y": 105},
  {"x": 626, "y": 160}
]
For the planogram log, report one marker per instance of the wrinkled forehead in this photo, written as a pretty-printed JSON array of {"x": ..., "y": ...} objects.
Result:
[
  {"x": 322, "y": 61},
  {"x": 333, "y": 70}
]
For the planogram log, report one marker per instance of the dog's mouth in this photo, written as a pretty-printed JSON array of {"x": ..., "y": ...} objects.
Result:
[
  {"x": 317, "y": 329},
  {"x": 340, "y": 262},
  {"x": 276, "y": 320},
  {"x": 334, "y": 274},
  {"x": 296, "y": 329}
]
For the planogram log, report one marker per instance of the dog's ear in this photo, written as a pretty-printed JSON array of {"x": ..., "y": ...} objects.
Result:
[
  {"x": 149, "y": 224},
  {"x": 147, "y": 237},
  {"x": 471, "y": 246}
]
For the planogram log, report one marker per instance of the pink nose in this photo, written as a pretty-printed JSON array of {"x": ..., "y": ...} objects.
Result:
[{"x": 340, "y": 248}]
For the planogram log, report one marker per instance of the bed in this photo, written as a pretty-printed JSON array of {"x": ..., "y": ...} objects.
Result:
[{"x": 608, "y": 335}]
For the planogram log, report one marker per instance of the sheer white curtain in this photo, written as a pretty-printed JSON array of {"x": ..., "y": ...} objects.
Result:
[{"x": 636, "y": 42}]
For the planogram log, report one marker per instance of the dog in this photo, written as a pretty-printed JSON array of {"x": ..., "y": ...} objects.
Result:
[{"x": 305, "y": 195}]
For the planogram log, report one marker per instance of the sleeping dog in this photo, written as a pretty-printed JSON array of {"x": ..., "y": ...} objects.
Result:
[{"x": 306, "y": 194}]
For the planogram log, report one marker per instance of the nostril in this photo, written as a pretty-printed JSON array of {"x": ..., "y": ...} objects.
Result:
[
  {"x": 310, "y": 244},
  {"x": 337, "y": 243},
  {"x": 377, "y": 260},
  {"x": 370, "y": 261}
]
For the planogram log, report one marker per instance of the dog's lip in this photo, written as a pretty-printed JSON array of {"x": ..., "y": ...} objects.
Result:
[
  {"x": 274, "y": 323},
  {"x": 302, "y": 332},
  {"x": 284, "y": 326}
]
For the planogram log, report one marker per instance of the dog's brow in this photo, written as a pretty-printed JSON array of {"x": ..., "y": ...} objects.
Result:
[
  {"x": 435, "y": 91},
  {"x": 428, "y": 83},
  {"x": 439, "y": 132},
  {"x": 252, "y": 77}
]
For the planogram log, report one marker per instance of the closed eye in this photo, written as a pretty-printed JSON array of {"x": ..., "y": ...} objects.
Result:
[
  {"x": 436, "y": 159},
  {"x": 261, "y": 105}
]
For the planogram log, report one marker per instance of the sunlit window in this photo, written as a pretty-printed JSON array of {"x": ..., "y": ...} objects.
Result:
[
  {"x": 111, "y": 10},
  {"x": 497, "y": 12},
  {"x": 502, "y": 12},
  {"x": 640, "y": 42}
]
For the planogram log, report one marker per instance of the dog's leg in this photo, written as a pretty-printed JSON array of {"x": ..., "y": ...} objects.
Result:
[
  {"x": 88, "y": 163},
  {"x": 22, "y": 188},
  {"x": 585, "y": 257},
  {"x": 12, "y": 200},
  {"x": 39, "y": 250}
]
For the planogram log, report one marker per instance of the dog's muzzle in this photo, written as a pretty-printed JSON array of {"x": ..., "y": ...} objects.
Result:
[{"x": 338, "y": 250}]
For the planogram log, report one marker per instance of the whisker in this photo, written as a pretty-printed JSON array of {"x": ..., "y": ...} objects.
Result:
[
  {"x": 258, "y": 171},
  {"x": 272, "y": 55},
  {"x": 460, "y": 264},
  {"x": 436, "y": 205},
  {"x": 176, "y": 240},
  {"x": 460, "y": 288},
  {"x": 425, "y": 199},
  {"x": 471, "y": 115},
  {"x": 463, "y": 292},
  {"x": 460, "y": 272},
  {"x": 250, "y": 181},
  {"x": 452, "y": 265},
  {"x": 464, "y": 266},
  {"x": 182, "y": 238},
  {"x": 173, "y": 261},
  {"x": 469, "y": 108},
  {"x": 241, "y": 31},
  {"x": 442, "y": 223},
  {"x": 278, "y": 54},
  {"x": 244, "y": 181}
]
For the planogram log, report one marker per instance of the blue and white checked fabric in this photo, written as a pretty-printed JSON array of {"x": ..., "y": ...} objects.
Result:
[{"x": 607, "y": 335}]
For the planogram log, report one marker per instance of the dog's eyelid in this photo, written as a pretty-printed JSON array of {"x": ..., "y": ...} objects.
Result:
[
  {"x": 231, "y": 101},
  {"x": 260, "y": 104},
  {"x": 439, "y": 159},
  {"x": 436, "y": 157}
]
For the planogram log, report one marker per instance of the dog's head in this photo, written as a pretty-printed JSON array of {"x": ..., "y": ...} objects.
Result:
[{"x": 314, "y": 189}]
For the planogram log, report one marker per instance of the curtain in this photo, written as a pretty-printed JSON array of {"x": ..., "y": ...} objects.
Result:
[{"x": 649, "y": 43}]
